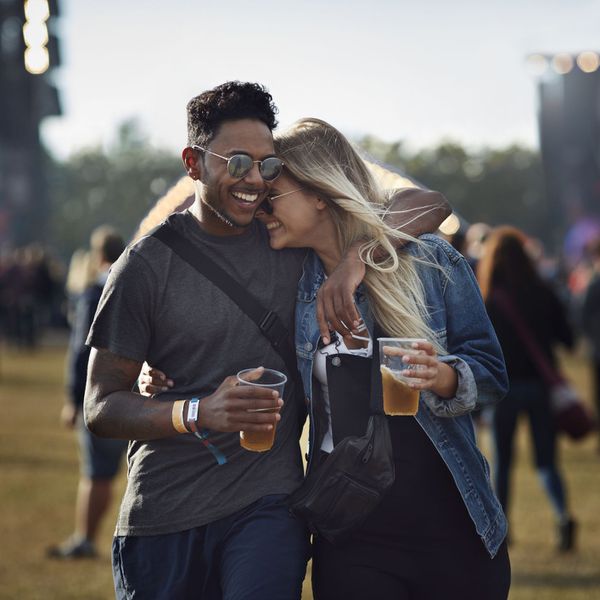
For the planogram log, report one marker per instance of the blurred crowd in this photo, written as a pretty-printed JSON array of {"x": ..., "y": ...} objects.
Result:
[
  {"x": 569, "y": 276},
  {"x": 39, "y": 292},
  {"x": 536, "y": 304},
  {"x": 31, "y": 294}
]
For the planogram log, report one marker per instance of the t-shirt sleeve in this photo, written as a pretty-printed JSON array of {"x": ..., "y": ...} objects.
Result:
[{"x": 122, "y": 323}]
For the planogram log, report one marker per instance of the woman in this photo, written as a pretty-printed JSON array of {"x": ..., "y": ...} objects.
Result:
[
  {"x": 512, "y": 289},
  {"x": 440, "y": 530}
]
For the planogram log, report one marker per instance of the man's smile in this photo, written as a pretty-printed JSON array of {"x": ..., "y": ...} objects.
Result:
[{"x": 249, "y": 197}]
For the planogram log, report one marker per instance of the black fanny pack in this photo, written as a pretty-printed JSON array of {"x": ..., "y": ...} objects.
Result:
[{"x": 341, "y": 491}]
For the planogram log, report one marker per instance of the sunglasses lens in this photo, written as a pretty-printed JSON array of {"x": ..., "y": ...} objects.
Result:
[
  {"x": 239, "y": 165},
  {"x": 270, "y": 168}
]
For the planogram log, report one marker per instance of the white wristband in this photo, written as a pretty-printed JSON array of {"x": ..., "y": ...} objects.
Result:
[{"x": 192, "y": 414}]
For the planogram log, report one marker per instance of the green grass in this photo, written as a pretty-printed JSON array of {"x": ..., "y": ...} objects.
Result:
[{"x": 39, "y": 470}]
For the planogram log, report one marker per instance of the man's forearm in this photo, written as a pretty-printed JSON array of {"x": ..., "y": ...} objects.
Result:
[
  {"x": 112, "y": 410},
  {"x": 415, "y": 211},
  {"x": 129, "y": 416}
]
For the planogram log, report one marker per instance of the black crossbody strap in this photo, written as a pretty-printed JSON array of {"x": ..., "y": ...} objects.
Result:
[{"x": 266, "y": 320}]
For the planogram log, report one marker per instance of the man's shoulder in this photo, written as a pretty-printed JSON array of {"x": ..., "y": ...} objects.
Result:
[
  {"x": 149, "y": 241},
  {"x": 149, "y": 249}
]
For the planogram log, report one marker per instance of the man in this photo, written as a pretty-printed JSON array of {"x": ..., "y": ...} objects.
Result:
[
  {"x": 206, "y": 518},
  {"x": 100, "y": 458}
]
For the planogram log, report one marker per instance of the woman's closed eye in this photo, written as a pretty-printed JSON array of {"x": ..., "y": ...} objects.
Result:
[{"x": 267, "y": 205}]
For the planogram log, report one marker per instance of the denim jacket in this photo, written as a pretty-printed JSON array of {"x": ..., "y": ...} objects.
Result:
[{"x": 457, "y": 316}]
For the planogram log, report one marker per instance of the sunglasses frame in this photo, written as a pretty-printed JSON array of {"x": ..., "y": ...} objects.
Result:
[
  {"x": 268, "y": 207},
  {"x": 230, "y": 158}
]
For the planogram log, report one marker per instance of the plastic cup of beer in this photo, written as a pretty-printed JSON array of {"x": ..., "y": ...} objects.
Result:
[
  {"x": 261, "y": 441},
  {"x": 398, "y": 397}
]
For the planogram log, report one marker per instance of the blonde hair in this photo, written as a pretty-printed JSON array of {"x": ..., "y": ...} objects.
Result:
[
  {"x": 81, "y": 273},
  {"x": 319, "y": 157},
  {"x": 177, "y": 198}
]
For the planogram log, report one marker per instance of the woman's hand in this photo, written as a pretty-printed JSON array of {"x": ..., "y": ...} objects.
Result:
[
  {"x": 426, "y": 371},
  {"x": 152, "y": 381}
]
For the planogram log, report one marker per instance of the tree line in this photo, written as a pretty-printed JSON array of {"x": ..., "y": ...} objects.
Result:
[{"x": 119, "y": 184}]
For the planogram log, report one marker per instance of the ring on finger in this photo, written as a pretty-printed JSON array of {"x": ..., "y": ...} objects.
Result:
[{"x": 362, "y": 326}]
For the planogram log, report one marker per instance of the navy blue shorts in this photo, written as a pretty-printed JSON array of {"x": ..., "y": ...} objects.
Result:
[
  {"x": 258, "y": 553},
  {"x": 100, "y": 457}
]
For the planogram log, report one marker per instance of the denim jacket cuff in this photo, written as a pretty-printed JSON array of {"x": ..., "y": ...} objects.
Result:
[{"x": 465, "y": 398}]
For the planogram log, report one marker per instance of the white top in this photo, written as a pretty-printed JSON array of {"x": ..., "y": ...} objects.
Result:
[{"x": 320, "y": 373}]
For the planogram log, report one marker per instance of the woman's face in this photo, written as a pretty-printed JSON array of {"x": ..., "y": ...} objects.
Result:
[{"x": 299, "y": 218}]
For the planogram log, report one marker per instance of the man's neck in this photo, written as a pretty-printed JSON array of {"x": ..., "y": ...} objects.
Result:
[{"x": 212, "y": 223}]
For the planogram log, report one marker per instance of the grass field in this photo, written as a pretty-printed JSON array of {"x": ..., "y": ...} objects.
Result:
[{"x": 39, "y": 469}]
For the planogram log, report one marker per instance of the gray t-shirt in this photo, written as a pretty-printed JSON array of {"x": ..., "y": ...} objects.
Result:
[{"x": 156, "y": 307}]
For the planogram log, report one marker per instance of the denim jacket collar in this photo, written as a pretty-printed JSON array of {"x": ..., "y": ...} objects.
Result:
[{"x": 313, "y": 275}]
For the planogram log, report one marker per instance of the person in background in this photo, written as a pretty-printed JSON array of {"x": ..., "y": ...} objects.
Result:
[
  {"x": 80, "y": 275},
  {"x": 475, "y": 237},
  {"x": 590, "y": 317},
  {"x": 100, "y": 458},
  {"x": 510, "y": 284}
]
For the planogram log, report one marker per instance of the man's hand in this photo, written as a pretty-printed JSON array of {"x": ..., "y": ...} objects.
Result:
[
  {"x": 335, "y": 299},
  {"x": 234, "y": 407}
]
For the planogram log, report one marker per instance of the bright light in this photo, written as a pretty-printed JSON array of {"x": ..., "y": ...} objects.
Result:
[
  {"x": 537, "y": 64},
  {"x": 451, "y": 225},
  {"x": 37, "y": 10},
  {"x": 37, "y": 60},
  {"x": 588, "y": 62},
  {"x": 562, "y": 63},
  {"x": 35, "y": 34}
]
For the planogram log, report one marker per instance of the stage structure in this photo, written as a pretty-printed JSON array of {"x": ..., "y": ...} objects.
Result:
[
  {"x": 569, "y": 128},
  {"x": 28, "y": 54}
]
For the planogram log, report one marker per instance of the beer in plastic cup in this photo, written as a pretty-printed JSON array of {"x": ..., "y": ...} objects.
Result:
[
  {"x": 261, "y": 441},
  {"x": 398, "y": 397}
]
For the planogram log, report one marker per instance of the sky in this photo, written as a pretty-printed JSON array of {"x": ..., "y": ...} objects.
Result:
[{"x": 420, "y": 72}]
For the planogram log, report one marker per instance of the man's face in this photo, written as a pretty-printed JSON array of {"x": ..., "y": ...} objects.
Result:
[{"x": 229, "y": 204}]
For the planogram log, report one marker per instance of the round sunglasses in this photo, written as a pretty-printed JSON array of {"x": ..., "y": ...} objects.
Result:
[
  {"x": 240, "y": 164},
  {"x": 267, "y": 205}
]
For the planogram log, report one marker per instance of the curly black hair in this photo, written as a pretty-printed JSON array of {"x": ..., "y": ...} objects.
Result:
[{"x": 228, "y": 101}]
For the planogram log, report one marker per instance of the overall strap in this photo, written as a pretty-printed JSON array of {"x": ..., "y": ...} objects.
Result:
[
  {"x": 266, "y": 320},
  {"x": 376, "y": 400}
]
